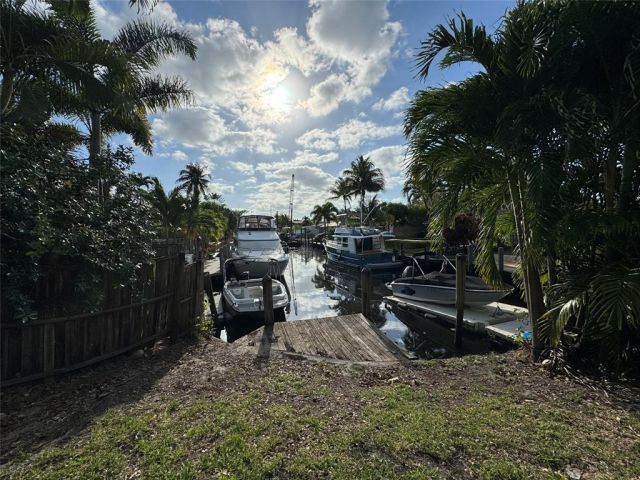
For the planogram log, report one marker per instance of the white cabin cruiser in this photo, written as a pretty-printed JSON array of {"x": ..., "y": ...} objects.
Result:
[
  {"x": 257, "y": 243},
  {"x": 244, "y": 295},
  {"x": 440, "y": 288},
  {"x": 361, "y": 247}
]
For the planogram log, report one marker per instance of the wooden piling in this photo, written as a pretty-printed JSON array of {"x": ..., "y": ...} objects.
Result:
[
  {"x": 461, "y": 273},
  {"x": 267, "y": 300},
  {"x": 365, "y": 298},
  {"x": 501, "y": 260}
]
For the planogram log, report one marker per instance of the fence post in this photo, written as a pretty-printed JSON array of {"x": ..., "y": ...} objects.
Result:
[
  {"x": 461, "y": 273},
  {"x": 501, "y": 260},
  {"x": 267, "y": 300},
  {"x": 176, "y": 310},
  {"x": 365, "y": 286}
]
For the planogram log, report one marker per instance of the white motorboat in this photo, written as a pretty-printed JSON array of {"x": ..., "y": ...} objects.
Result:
[
  {"x": 440, "y": 288},
  {"x": 244, "y": 295},
  {"x": 258, "y": 245}
]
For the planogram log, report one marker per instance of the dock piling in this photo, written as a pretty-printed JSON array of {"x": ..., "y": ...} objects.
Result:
[
  {"x": 461, "y": 273},
  {"x": 267, "y": 300},
  {"x": 470, "y": 259},
  {"x": 365, "y": 299}
]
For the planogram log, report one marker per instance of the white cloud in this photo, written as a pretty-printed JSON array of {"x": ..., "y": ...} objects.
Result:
[
  {"x": 358, "y": 36},
  {"x": 179, "y": 155},
  {"x": 395, "y": 101},
  {"x": 220, "y": 188},
  {"x": 317, "y": 139},
  {"x": 243, "y": 167},
  {"x": 325, "y": 97},
  {"x": 201, "y": 127},
  {"x": 311, "y": 185},
  {"x": 390, "y": 159},
  {"x": 351, "y": 134}
]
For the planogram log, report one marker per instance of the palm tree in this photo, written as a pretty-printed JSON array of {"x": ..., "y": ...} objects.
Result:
[
  {"x": 135, "y": 90},
  {"x": 194, "y": 180},
  {"x": 342, "y": 189},
  {"x": 169, "y": 207},
  {"x": 525, "y": 141},
  {"x": 324, "y": 213},
  {"x": 362, "y": 177},
  {"x": 38, "y": 58}
]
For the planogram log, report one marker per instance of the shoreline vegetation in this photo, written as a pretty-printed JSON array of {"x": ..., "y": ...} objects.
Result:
[{"x": 206, "y": 409}]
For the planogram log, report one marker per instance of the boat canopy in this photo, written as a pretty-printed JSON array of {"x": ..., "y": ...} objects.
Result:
[
  {"x": 356, "y": 231},
  {"x": 256, "y": 222}
]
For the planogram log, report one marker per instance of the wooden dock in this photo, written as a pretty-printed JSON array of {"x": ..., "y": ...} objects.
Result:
[
  {"x": 476, "y": 319},
  {"x": 348, "y": 337}
]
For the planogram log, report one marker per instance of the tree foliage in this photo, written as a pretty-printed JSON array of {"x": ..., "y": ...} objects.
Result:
[
  {"x": 542, "y": 144},
  {"x": 53, "y": 216}
]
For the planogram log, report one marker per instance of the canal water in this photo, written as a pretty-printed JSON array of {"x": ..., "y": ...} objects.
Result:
[{"x": 321, "y": 289}]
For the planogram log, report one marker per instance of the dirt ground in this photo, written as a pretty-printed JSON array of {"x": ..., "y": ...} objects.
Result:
[{"x": 54, "y": 412}]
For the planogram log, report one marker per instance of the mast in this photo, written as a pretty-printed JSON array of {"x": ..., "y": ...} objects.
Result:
[{"x": 291, "y": 203}]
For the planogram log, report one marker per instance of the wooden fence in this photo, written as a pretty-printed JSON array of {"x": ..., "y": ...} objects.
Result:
[{"x": 170, "y": 304}]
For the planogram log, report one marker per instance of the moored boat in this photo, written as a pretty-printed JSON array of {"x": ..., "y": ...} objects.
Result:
[
  {"x": 245, "y": 295},
  {"x": 440, "y": 288},
  {"x": 258, "y": 245},
  {"x": 360, "y": 247}
]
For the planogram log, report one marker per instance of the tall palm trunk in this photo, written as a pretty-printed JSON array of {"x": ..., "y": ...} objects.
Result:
[
  {"x": 531, "y": 277},
  {"x": 95, "y": 138}
]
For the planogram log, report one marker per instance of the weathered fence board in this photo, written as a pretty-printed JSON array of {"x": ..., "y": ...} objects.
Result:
[{"x": 169, "y": 301}]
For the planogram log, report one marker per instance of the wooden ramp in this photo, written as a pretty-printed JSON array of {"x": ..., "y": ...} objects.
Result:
[{"x": 348, "y": 337}]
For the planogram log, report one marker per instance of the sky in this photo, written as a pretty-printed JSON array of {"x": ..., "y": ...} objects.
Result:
[{"x": 291, "y": 87}]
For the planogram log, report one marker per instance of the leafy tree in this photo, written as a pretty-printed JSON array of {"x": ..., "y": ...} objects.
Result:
[
  {"x": 170, "y": 208},
  {"x": 194, "y": 180},
  {"x": 530, "y": 145},
  {"x": 395, "y": 213},
  {"x": 363, "y": 177},
  {"x": 342, "y": 189},
  {"x": 53, "y": 217},
  {"x": 324, "y": 213},
  {"x": 38, "y": 59}
]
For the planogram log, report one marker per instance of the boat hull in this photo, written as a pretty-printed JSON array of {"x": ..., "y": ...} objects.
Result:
[
  {"x": 376, "y": 261},
  {"x": 443, "y": 295}
]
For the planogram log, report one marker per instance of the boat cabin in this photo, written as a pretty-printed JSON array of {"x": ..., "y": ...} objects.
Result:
[
  {"x": 257, "y": 222},
  {"x": 356, "y": 240}
]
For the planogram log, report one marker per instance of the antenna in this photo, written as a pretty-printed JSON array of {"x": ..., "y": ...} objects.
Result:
[{"x": 291, "y": 203}]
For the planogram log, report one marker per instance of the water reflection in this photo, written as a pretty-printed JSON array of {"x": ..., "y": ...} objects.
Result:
[{"x": 319, "y": 289}]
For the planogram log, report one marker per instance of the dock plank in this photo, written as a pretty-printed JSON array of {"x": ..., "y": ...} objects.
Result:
[
  {"x": 354, "y": 350},
  {"x": 349, "y": 337}
]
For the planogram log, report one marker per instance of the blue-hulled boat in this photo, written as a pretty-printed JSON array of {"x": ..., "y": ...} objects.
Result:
[{"x": 360, "y": 247}]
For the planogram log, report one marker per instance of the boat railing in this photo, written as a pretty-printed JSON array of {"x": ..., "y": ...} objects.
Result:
[
  {"x": 273, "y": 265},
  {"x": 415, "y": 260}
]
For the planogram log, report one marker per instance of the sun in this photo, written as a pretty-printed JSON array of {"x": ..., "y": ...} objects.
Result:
[
  {"x": 273, "y": 93},
  {"x": 278, "y": 99}
]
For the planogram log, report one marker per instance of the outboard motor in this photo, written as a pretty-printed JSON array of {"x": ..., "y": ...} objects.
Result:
[{"x": 408, "y": 272}]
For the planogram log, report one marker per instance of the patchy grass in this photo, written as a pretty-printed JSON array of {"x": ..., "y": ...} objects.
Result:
[{"x": 448, "y": 419}]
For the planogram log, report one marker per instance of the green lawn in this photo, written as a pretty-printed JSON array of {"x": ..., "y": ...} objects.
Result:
[{"x": 328, "y": 421}]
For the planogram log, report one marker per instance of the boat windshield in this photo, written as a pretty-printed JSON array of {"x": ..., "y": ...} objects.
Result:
[{"x": 257, "y": 222}]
